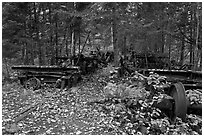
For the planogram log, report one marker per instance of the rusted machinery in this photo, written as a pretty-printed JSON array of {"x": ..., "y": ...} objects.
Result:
[
  {"x": 190, "y": 79},
  {"x": 63, "y": 74},
  {"x": 178, "y": 105},
  {"x": 178, "y": 83},
  {"x": 147, "y": 60},
  {"x": 181, "y": 81},
  {"x": 85, "y": 63},
  {"x": 32, "y": 76}
]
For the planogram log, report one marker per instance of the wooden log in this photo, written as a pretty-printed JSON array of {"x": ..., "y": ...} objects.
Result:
[
  {"x": 26, "y": 111},
  {"x": 12, "y": 127}
]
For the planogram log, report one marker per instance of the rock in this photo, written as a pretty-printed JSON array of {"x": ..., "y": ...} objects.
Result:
[
  {"x": 13, "y": 128},
  {"x": 78, "y": 132}
]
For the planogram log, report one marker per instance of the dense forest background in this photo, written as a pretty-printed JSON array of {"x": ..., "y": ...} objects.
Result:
[{"x": 40, "y": 31}]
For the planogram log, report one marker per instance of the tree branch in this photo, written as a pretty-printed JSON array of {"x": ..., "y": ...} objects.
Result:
[{"x": 189, "y": 39}]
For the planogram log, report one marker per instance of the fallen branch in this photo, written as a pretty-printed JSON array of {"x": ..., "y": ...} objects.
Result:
[
  {"x": 80, "y": 52},
  {"x": 12, "y": 128},
  {"x": 138, "y": 74},
  {"x": 98, "y": 101},
  {"x": 25, "y": 112}
]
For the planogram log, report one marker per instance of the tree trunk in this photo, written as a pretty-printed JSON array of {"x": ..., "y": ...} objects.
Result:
[
  {"x": 191, "y": 45},
  {"x": 163, "y": 42},
  {"x": 73, "y": 42},
  {"x": 79, "y": 41},
  {"x": 67, "y": 48},
  {"x": 56, "y": 36},
  {"x": 64, "y": 43},
  {"x": 197, "y": 52},
  {"x": 114, "y": 36},
  {"x": 23, "y": 52},
  {"x": 182, "y": 49},
  {"x": 52, "y": 58},
  {"x": 31, "y": 37},
  {"x": 36, "y": 15},
  {"x": 70, "y": 47},
  {"x": 124, "y": 45},
  {"x": 43, "y": 33},
  {"x": 168, "y": 43},
  {"x": 25, "y": 55}
]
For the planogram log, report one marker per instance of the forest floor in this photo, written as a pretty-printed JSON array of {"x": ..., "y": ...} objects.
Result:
[
  {"x": 61, "y": 111},
  {"x": 69, "y": 112}
]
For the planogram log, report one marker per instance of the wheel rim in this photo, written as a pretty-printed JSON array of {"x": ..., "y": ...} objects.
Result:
[
  {"x": 32, "y": 83},
  {"x": 58, "y": 83},
  {"x": 63, "y": 82},
  {"x": 177, "y": 91}
]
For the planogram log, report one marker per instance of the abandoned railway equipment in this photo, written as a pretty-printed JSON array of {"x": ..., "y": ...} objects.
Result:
[
  {"x": 32, "y": 76},
  {"x": 188, "y": 78},
  {"x": 177, "y": 85},
  {"x": 63, "y": 74},
  {"x": 85, "y": 63},
  {"x": 182, "y": 81},
  {"x": 148, "y": 60},
  {"x": 179, "y": 105}
]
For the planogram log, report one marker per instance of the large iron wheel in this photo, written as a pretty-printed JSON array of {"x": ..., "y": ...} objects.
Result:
[
  {"x": 32, "y": 83},
  {"x": 177, "y": 91}
]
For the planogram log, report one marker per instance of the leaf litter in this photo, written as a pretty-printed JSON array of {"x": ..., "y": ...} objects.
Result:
[{"x": 69, "y": 111}]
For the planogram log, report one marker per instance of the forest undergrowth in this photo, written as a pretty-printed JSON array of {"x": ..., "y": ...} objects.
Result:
[{"x": 99, "y": 104}]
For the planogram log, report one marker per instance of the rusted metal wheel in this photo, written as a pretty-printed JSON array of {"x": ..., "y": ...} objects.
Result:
[
  {"x": 177, "y": 91},
  {"x": 58, "y": 83},
  {"x": 74, "y": 79},
  {"x": 32, "y": 83},
  {"x": 63, "y": 84}
]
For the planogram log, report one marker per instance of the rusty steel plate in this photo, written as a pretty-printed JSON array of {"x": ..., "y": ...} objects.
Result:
[{"x": 177, "y": 91}]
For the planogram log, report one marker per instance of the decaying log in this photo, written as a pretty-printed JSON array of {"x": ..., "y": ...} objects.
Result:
[
  {"x": 12, "y": 127},
  {"x": 25, "y": 112}
]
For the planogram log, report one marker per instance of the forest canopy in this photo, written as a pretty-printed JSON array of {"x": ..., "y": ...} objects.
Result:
[{"x": 45, "y": 30}]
